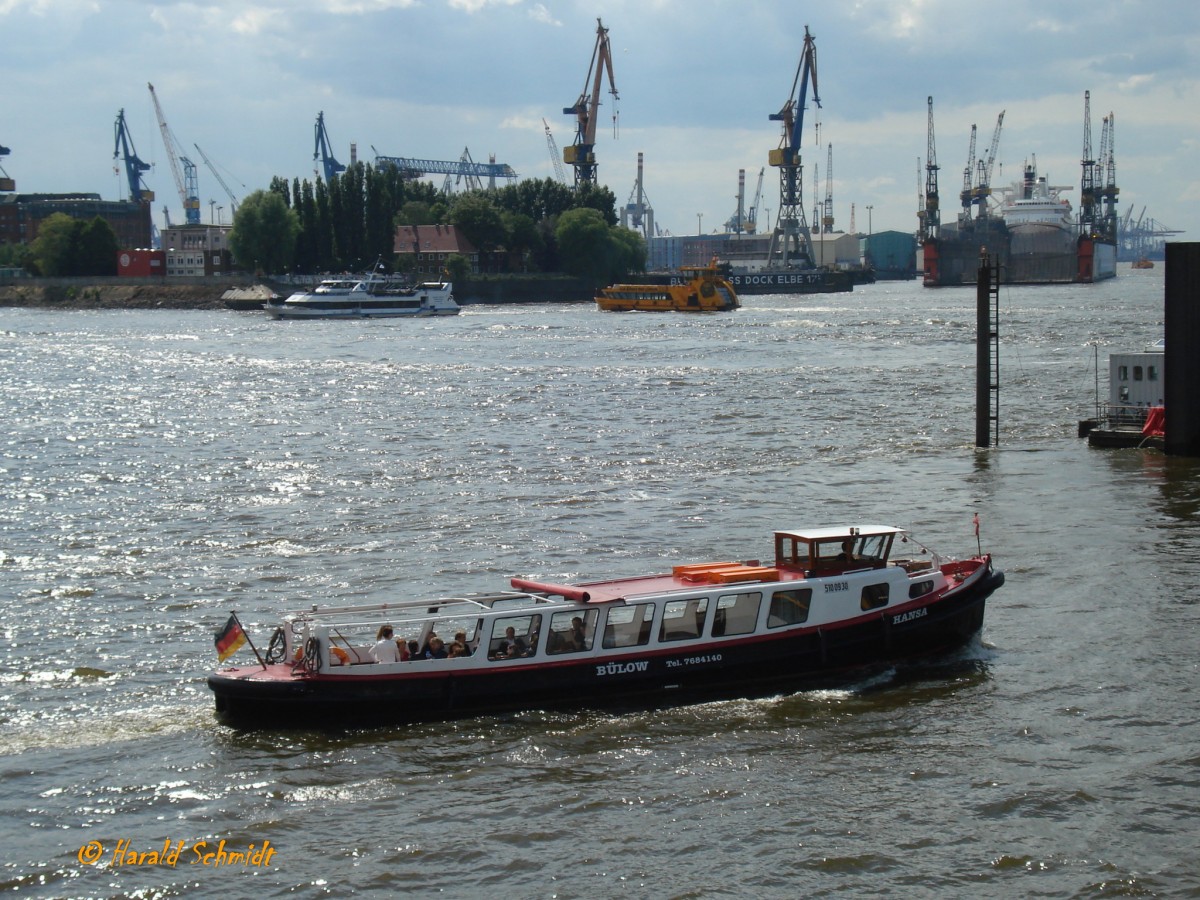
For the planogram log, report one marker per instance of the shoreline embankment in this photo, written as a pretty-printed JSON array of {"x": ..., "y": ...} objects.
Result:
[{"x": 210, "y": 293}]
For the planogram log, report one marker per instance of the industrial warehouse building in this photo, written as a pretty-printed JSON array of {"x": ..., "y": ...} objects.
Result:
[{"x": 21, "y": 215}]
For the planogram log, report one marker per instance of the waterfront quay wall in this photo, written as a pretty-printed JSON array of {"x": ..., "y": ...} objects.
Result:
[{"x": 208, "y": 293}]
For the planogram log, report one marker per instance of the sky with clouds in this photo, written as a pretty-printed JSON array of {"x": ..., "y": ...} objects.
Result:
[{"x": 697, "y": 81}]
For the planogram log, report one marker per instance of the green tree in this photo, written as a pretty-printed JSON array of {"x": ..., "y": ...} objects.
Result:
[
  {"x": 415, "y": 212},
  {"x": 458, "y": 267},
  {"x": 264, "y": 232},
  {"x": 591, "y": 248},
  {"x": 481, "y": 221},
  {"x": 524, "y": 240},
  {"x": 98, "y": 248},
  {"x": 56, "y": 246}
]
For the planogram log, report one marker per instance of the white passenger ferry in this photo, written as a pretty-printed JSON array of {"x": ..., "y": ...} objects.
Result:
[
  {"x": 370, "y": 296},
  {"x": 832, "y": 603}
]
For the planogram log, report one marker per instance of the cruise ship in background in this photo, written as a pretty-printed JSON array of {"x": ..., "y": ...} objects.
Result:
[{"x": 1032, "y": 233}]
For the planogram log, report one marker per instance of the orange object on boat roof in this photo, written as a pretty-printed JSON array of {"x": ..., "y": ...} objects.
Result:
[{"x": 725, "y": 572}]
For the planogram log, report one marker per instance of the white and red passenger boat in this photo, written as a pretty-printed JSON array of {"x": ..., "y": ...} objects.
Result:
[{"x": 832, "y": 604}]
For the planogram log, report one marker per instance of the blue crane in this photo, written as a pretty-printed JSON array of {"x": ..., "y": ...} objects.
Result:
[
  {"x": 465, "y": 167},
  {"x": 6, "y": 183},
  {"x": 323, "y": 150},
  {"x": 134, "y": 167},
  {"x": 791, "y": 240},
  {"x": 413, "y": 168}
]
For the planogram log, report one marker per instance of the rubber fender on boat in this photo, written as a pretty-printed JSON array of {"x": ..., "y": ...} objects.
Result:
[{"x": 561, "y": 590}]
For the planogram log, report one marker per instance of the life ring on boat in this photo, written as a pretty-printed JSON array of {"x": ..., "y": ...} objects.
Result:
[
  {"x": 342, "y": 656},
  {"x": 277, "y": 649}
]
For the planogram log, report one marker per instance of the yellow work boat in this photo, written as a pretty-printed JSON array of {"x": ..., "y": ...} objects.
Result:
[{"x": 695, "y": 289}]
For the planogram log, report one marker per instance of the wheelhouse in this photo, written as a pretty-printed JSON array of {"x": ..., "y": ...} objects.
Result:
[{"x": 825, "y": 550}]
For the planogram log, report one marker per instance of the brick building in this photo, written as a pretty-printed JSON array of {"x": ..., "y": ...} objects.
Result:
[
  {"x": 428, "y": 246},
  {"x": 21, "y": 215}
]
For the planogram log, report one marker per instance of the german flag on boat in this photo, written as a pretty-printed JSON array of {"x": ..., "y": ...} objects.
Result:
[{"x": 229, "y": 638}]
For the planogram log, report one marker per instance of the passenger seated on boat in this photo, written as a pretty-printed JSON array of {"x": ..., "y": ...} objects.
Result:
[
  {"x": 847, "y": 554},
  {"x": 457, "y": 650},
  {"x": 460, "y": 637},
  {"x": 511, "y": 646},
  {"x": 385, "y": 649},
  {"x": 414, "y": 650},
  {"x": 576, "y": 639},
  {"x": 436, "y": 649}
]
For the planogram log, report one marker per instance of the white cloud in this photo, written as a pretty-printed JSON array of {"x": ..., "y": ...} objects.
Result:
[{"x": 539, "y": 13}]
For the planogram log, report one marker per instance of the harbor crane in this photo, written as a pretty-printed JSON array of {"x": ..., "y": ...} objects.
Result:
[
  {"x": 968, "y": 188},
  {"x": 416, "y": 168},
  {"x": 752, "y": 213},
  {"x": 185, "y": 179},
  {"x": 473, "y": 182},
  {"x": 134, "y": 167},
  {"x": 412, "y": 168},
  {"x": 791, "y": 241},
  {"x": 6, "y": 183},
  {"x": 983, "y": 177},
  {"x": 930, "y": 216},
  {"x": 323, "y": 149},
  {"x": 1087, "y": 182},
  {"x": 827, "y": 218},
  {"x": 560, "y": 174},
  {"x": 233, "y": 200},
  {"x": 581, "y": 154},
  {"x": 638, "y": 214},
  {"x": 1108, "y": 193},
  {"x": 737, "y": 222}
]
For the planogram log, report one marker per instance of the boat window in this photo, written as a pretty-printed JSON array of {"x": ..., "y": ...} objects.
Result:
[
  {"x": 789, "y": 607},
  {"x": 791, "y": 552},
  {"x": 1122, "y": 373},
  {"x": 736, "y": 614},
  {"x": 874, "y": 595},
  {"x": 628, "y": 626},
  {"x": 683, "y": 619},
  {"x": 514, "y": 636},
  {"x": 1137, "y": 373},
  {"x": 447, "y": 628},
  {"x": 919, "y": 589},
  {"x": 1152, "y": 373},
  {"x": 572, "y": 631}
]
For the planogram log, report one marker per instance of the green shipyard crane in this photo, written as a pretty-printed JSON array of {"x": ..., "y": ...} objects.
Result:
[{"x": 582, "y": 153}]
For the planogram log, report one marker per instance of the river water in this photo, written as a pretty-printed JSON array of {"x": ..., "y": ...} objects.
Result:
[{"x": 160, "y": 468}]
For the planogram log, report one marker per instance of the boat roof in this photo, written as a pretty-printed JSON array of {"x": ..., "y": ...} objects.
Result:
[{"x": 835, "y": 531}]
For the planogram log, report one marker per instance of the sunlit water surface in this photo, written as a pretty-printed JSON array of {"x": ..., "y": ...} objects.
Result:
[{"x": 160, "y": 468}]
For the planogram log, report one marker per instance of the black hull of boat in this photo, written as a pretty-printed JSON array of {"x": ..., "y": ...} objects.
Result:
[{"x": 755, "y": 667}]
